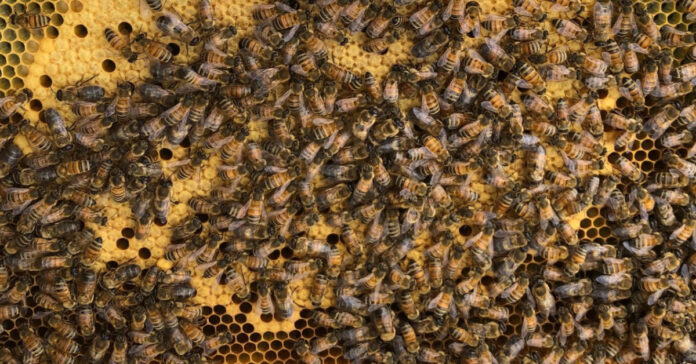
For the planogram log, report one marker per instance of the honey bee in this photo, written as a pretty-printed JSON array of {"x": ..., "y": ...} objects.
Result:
[
  {"x": 529, "y": 8},
  {"x": 34, "y": 21},
  {"x": 430, "y": 44},
  {"x": 154, "y": 49},
  {"x": 570, "y": 30},
  {"x": 171, "y": 24},
  {"x": 120, "y": 275},
  {"x": 424, "y": 16},
  {"x": 121, "y": 44},
  {"x": 386, "y": 18}
]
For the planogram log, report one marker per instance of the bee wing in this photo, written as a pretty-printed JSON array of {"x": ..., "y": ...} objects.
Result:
[
  {"x": 676, "y": 232},
  {"x": 521, "y": 11},
  {"x": 291, "y": 33},
  {"x": 447, "y": 13},
  {"x": 144, "y": 8},
  {"x": 636, "y": 48},
  {"x": 443, "y": 58},
  {"x": 284, "y": 7},
  {"x": 281, "y": 100},
  {"x": 691, "y": 152},
  {"x": 211, "y": 47},
  {"x": 202, "y": 267},
  {"x": 433, "y": 303},
  {"x": 673, "y": 30},
  {"x": 558, "y": 8},
  {"x": 176, "y": 164},
  {"x": 175, "y": 19},
  {"x": 488, "y": 106},
  {"x": 616, "y": 28},
  {"x": 474, "y": 54},
  {"x": 685, "y": 273},
  {"x": 331, "y": 139},
  {"x": 652, "y": 299}
]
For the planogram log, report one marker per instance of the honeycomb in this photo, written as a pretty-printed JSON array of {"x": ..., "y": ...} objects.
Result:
[{"x": 73, "y": 46}]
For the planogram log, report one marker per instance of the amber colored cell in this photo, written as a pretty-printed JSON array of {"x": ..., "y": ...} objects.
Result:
[
  {"x": 307, "y": 333},
  {"x": 166, "y": 154},
  {"x": 231, "y": 358},
  {"x": 144, "y": 253},
  {"x": 263, "y": 346},
  {"x": 250, "y": 347},
  {"x": 18, "y": 46},
  {"x": 592, "y": 233},
  {"x": 248, "y": 328},
  {"x": 35, "y": 105},
  {"x": 515, "y": 319},
  {"x": 284, "y": 354},
  {"x": 335, "y": 351},
  {"x": 659, "y": 19},
  {"x": 174, "y": 48},
  {"x": 640, "y": 155},
  {"x": 122, "y": 244},
  {"x": 240, "y": 318},
  {"x": 76, "y": 6},
  {"x": 286, "y": 253},
  {"x": 242, "y": 338},
  {"x": 125, "y": 28},
  {"x": 108, "y": 65},
  {"x": 547, "y": 327},
  {"x": 214, "y": 319},
  {"x": 592, "y": 212},
  {"x": 17, "y": 83},
  {"x": 8, "y": 325},
  {"x": 295, "y": 334},
  {"x": 52, "y": 32},
  {"x": 646, "y": 166},
  {"x": 274, "y": 255},
  {"x": 81, "y": 31},
  {"x": 209, "y": 330},
  {"x": 256, "y": 357},
  {"x": 268, "y": 336},
  {"x": 289, "y": 344},
  {"x": 332, "y": 238},
  {"x": 219, "y": 309},
  {"x": 234, "y": 328}
]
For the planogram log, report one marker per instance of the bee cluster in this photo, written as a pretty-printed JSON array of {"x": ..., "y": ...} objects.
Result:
[{"x": 422, "y": 268}]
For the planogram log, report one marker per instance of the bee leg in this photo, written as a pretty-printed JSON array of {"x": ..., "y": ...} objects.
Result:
[{"x": 82, "y": 81}]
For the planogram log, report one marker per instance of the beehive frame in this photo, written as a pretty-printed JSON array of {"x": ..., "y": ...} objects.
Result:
[{"x": 73, "y": 46}]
